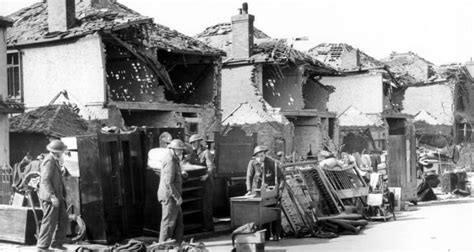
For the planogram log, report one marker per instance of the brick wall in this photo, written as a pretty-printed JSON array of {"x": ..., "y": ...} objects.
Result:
[
  {"x": 307, "y": 132},
  {"x": 315, "y": 96},
  {"x": 270, "y": 135}
]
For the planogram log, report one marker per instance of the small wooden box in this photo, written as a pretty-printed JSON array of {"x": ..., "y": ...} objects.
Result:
[
  {"x": 18, "y": 224},
  {"x": 250, "y": 247},
  {"x": 257, "y": 237}
]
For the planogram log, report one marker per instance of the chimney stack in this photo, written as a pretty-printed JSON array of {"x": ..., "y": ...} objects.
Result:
[
  {"x": 61, "y": 15},
  {"x": 350, "y": 59},
  {"x": 242, "y": 34}
]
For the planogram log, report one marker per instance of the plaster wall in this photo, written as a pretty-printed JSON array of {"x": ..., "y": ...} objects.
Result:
[
  {"x": 238, "y": 87},
  {"x": 76, "y": 66},
  {"x": 363, "y": 92},
  {"x": 437, "y": 100}
]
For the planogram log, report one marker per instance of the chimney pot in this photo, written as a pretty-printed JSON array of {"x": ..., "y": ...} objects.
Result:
[
  {"x": 61, "y": 15},
  {"x": 245, "y": 7}
]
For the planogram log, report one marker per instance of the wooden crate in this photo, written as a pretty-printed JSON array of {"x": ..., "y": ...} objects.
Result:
[{"x": 18, "y": 224}]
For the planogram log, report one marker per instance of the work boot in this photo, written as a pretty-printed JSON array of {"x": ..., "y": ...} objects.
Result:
[{"x": 58, "y": 247}]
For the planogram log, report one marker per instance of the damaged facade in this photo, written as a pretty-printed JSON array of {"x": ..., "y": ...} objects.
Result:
[
  {"x": 272, "y": 89},
  {"x": 115, "y": 65},
  {"x": 440, "y": 99},
  {"x": 362, "y": 95},
  {"x": 7, "y": 106}
]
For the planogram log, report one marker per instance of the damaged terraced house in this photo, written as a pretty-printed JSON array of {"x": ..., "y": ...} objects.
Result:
[
  {"x": 114, "y": 65},
  {"x": 116, "y": 69},
  {"x": 271, "y": 89},
  {"x": 362, "y": 96},
  {"x": 441, "y": 100}
]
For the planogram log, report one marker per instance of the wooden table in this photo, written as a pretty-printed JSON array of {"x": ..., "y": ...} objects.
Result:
[{"x": 254, "y": 209}]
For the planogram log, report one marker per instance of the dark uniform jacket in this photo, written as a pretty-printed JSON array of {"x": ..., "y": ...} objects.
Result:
[
  {"x": 51, "y": 183},
  {"x": 203, "y": 157},
  {"x": 255, "y": 173},
  {"x": 170, "y": 178}
]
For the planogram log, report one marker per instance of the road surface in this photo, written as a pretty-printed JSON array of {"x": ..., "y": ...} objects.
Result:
[{"x": 438, "y": 226}]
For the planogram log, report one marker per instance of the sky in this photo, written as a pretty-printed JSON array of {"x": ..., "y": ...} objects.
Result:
[{"x": 440, "y": 31}]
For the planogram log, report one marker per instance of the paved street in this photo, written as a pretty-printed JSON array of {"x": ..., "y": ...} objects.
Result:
[
  {"x": 436, "y": 226},
  {"x": 446, "y": 226}
]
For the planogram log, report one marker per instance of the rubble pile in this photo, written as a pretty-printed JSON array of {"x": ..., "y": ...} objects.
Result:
[{"x": 51, "y": 120}]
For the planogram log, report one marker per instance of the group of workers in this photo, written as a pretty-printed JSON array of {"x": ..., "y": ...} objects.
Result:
[{"x": 261, "y": 171}]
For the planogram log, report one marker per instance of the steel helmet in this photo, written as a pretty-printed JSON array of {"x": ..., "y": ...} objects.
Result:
[
  {"x": 176, "y": 144},
  {"x": 195, "y": 138},
  {"x": 188, "y": 148},
  {"x": 259, "y": 149},
  {"x": 56, "y": 146}
]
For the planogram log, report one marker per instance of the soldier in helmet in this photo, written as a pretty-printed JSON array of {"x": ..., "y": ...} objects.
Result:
[
  {"x": 169, "y": 193},
  {"x": 265, "y": 170},
  {"x": 202, "y": 156},
  {"x": 52, "y": 195},
  {"x": 255, "y": 171}
]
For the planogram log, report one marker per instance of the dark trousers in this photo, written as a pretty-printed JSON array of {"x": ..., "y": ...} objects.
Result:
[
  {"x": 207, "y": 203},
  {"x": 171, "y": 221},
  {"x": 53, "y": 225}
]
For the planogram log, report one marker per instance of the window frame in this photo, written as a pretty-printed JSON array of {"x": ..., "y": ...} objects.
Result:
[{"x": 19, "y": 65}]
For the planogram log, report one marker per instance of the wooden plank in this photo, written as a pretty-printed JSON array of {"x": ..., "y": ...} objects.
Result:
[
  {"x": 155, "y": 106},
  {"x": 396, "y": 160},
  {"x": 308, "y": 113}
]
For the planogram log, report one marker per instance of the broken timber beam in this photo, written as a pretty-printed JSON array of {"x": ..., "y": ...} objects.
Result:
[{"x": 154, "y": 64}]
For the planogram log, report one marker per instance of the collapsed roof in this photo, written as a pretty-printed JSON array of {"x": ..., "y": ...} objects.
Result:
[
  {"x": 410, "y": 67},
  {"x": 51, "y": 120},
  {"x": 414, "y": 70},
  {"x": 333, "y": 54},
  {"x": 31, "y": 26},
  {"x": 265, "y": 49}
]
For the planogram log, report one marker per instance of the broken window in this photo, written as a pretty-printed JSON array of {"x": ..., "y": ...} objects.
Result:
[
  {"x": 193, "y": 128},
  {"x": 14, "y": 75}
]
